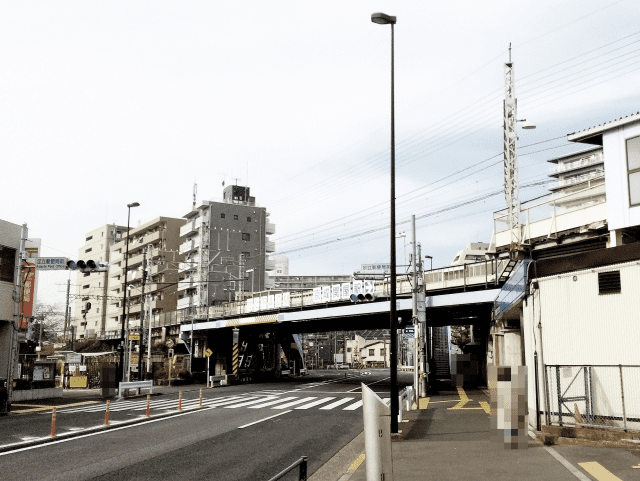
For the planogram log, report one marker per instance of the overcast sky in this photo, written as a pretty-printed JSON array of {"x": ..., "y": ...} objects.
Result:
[{"x": 108, "y": 103}]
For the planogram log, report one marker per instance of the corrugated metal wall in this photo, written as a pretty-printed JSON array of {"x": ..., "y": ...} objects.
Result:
[
  {"x": 581, "y": 326},
  {"x": 441, "y": 352}
]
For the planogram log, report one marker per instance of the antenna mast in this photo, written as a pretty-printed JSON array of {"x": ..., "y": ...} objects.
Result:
[
  {"x": 195, "y": 191},
  {"x": 511, "y": 182}
]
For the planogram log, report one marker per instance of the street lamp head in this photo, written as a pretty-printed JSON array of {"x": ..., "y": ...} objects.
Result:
[
  {"x": 527, "y": 125},
  {"x": 428, "y": 257},
  {"x": 135, "y": 204},
  {"x": 382, "y": 18}
]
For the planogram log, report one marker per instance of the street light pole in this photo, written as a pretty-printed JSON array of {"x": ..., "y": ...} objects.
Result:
[
  {"x": 124, "y": 301},
  {"x": 381, "y": 18}
]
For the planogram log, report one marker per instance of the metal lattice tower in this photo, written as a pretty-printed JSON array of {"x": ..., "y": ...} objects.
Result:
[{"x": 511, "y": 182}]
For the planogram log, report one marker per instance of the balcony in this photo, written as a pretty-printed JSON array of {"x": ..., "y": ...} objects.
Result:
[
  {"x": 191, "y": 265},
  {"x": 191, "y": 227},
  {"x": 270, "y": 246},
  {"x": 187, "y": 283},
  {"x": 576, "y": 180},
  {"x": 190, "y": 246},
  {"x": 270, "y": 228},
  {"x": 188, "y": 301},
  {"x": 269, "y": 265},
  {"x": 593, "y": 159},
  {"x": 547, "y": 216}
]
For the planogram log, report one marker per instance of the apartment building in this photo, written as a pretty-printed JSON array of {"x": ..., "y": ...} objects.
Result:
[
  {"x": 225, "y": 245},
  {"x": 92, "y": 288},
  {"x": 155, "y": 243},
  {"x": 281, "y": 263}
]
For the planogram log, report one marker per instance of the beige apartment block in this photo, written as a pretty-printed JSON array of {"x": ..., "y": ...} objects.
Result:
[
  {"x": 93, "y": 287},
  {"x": 157, "y": 243}
]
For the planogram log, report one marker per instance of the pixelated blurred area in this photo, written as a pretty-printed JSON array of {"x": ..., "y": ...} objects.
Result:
[{"x": 508, "y": 388}]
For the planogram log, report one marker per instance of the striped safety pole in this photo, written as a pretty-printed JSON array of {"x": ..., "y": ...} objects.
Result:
[
  {"x": 53, "y": 422},
  {"x": 200, "y": 397},
  {"x": 180, "y": 401},
  {"x": 148, "y": 405},
  {"x": 234, "y": 357},
  {"x": 106, "y": 413}
]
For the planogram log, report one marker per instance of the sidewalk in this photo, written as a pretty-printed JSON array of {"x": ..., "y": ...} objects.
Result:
[{"x": 440, "y": 443}]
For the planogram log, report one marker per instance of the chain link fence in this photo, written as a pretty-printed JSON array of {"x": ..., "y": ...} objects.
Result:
[{"x": 593, "y": 396}]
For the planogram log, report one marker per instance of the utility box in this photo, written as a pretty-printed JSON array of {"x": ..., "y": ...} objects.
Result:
[
  {"x": 4, "y": 397},
  {"x": 108, "y": 379}
]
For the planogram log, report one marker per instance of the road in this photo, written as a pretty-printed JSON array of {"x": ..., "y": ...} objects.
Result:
[{"x": 242, "y": 432}]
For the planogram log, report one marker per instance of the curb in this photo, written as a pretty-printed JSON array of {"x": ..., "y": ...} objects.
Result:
[{"x": 74, "y": 434}]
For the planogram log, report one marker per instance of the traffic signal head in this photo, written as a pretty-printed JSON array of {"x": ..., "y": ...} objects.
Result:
[
  {"x": 71, "y": 265},
  {"x": 368, "y": 297},
  {"x": 81, "y": 265},
  {"x": 405, "y": 320},
  {"x": 90, "y": 265}
]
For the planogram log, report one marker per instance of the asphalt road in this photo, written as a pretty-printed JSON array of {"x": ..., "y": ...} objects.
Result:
[{"x": 245, "y": 432}]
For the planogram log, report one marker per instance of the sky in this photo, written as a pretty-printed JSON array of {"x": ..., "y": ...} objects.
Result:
[{"x": 109, "y": 103}]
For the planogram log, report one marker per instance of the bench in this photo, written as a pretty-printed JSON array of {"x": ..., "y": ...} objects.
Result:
[{"x": 124, "y": 386}]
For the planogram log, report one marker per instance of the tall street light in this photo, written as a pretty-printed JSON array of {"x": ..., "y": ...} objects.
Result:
[
  {"x": 383, "y": 19},
  {"x": 124, "y": 301}
]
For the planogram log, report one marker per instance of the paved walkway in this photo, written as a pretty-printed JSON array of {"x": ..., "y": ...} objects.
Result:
[{"x": 450, "y": 440}]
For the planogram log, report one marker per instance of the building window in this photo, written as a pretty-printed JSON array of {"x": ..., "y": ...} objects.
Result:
[
  {"x": 633, "y": 166},
  {"x": 609, "y": 282},
  {"x": 97, "y": 312},
  {"x": 89, "y": 238},
  {"x": 246, "y": 237},
  {"x": 248, "y": 219},
  {"x": 246, "y": 255},
  {"x": 382, "y": 352},
  {"x": 235, "y": 217},
  {"x": 372, "y": 352},
  {"x": 86, "y": 286},
  {"x": 88, "y": 250},
  {"x": 7, "y": 264},
  {"x": 222, "y": 216},
  {"x": 348, "y": 349}
]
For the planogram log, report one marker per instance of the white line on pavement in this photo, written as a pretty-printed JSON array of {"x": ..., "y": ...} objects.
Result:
[
  {"x": 354, "y": 406},
  {"x": 248, "y": 403},
  {"x": 315, "y": 403},
  {"x": 572, "y": 469},
  {"x": 271, "y": 403},
  {"x": 337, "y": 403},
  {"x": 293, "y": 403},
  {"x": 265, "y": 419}
]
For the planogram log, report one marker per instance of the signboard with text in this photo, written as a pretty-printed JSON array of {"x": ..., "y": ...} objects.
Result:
[{"x": 51, "y": 263}]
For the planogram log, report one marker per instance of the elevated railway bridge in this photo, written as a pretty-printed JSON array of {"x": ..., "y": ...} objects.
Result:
[{"x": 249, "y": 339}]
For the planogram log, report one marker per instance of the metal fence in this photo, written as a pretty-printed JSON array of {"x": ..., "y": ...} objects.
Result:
[{"x": 593, "y": 396}]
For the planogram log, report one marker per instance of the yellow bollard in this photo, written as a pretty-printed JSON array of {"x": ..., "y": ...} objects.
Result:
[
  {"x": 200, "y": 397},
  {"x": 180, "y": 401},
  {"x": 148, "y": 405}
]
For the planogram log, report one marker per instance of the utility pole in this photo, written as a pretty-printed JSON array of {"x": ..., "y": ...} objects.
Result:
[
  {"x": 141, "y": 328},
  {"x": 423, "y": 331},
  {"x": 149, "y": 341},
  {"x": 66, "y": 310},
  {"x": 511, "y": 176},
  {"x": 414, "y": 303}
]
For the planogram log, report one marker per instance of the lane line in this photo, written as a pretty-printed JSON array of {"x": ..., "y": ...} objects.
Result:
[
  {"x": 370, "y": 384},
  {"x": 315, "y": 403},
  {"x": 598, "y": 471},
  {"x": 338, "y": 403},
  {"x": 104, "y": 431},
  {"x": 265, "y": 419},
  {"x": 423, "y": 403},
  {"x": 49, "y": 408}
]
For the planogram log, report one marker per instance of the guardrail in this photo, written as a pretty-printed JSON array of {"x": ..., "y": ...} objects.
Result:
[
  {"x": 302, "y": 462},
  {"x": 124, "y": 386}
]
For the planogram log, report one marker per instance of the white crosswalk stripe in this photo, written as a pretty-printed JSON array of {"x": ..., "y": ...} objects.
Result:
[
  {"x": 254, "y": 400},
  {"x": 315, "y": 403}
]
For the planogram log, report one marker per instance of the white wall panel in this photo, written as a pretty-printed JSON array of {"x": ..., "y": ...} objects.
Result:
[{"x": 580, "y": 326}]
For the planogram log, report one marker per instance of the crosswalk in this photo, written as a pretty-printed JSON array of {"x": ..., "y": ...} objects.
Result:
[{"x": 273, "y": 401}]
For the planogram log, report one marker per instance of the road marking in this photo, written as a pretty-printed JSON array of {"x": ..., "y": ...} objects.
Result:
[
  {"x": 356, "y": 464},
  {"x": 598, "y": 471},
  {"x": 104, "y": 431},
  {"x": 229, "y": 401},
  {"x": 337, "y": 403},
  {"x": 315, "y": 403},
  {"x": 485, "y": 405},
  {"x": 464, "y": 399},
  {"x": 293, "y": 403},
  {"x": 572, "y": 469},
  {"x": 271, "y": 403},
  {"x": 370, "y": 384},
  {"x": 247, "y": 403},
  {"x": 354, "y": 406},
  {"x": 49, "y": 408},
  {"x": 265, "y": 419},
  {"x": 423, "y": 403}
]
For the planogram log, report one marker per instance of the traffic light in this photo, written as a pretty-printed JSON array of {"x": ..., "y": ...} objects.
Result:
[
  {"x": 368, "y": 297},
  {"x": 405, "y": 320},
  {"x": 90, "y": 265}
]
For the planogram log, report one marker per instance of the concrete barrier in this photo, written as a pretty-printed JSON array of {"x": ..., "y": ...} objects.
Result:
[{"x": 31, "y": 394}]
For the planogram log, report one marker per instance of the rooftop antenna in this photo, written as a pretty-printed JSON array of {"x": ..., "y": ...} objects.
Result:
[
  {"x": 195, "y": 191},
  {"x": 236, "y": 179}
]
